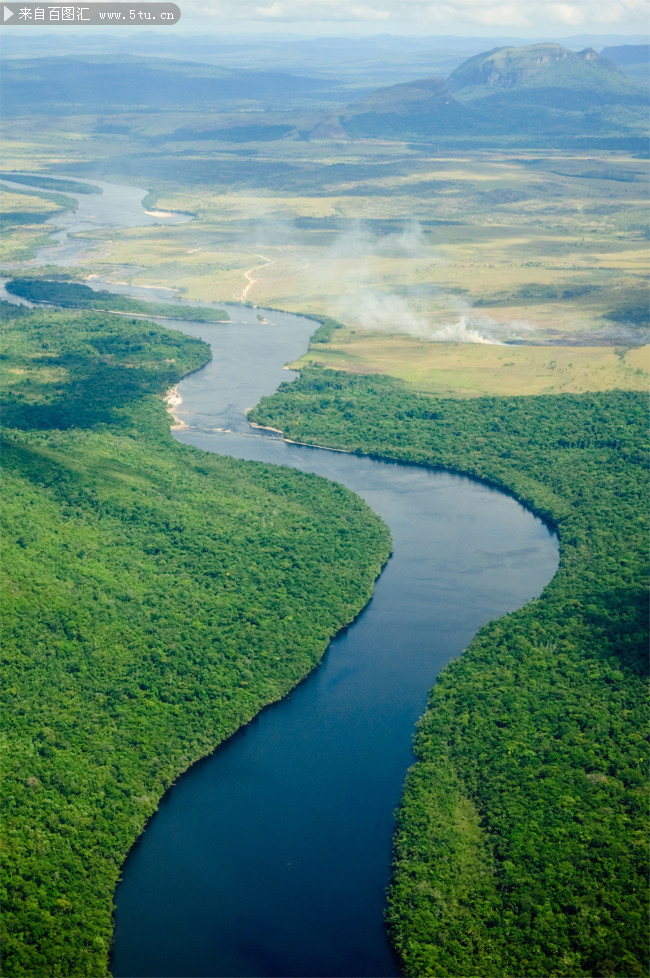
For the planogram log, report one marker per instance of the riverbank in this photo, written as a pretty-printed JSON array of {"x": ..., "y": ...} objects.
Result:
[
  {"x": 291, "y": 441},
  {"x": 293, "y": 771},
  {"x": 529, "y": 758},
  {"x": 167, "y": 641},
  {"x": 173, "y": 400}
]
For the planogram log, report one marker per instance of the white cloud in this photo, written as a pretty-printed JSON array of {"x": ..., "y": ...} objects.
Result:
[
  {"x": 452, "y": 16},
  {"x": 300, "y": 11},
  {"x": 566, "y": 14},
  {"x": 539, "y": 14},
  {"x": 500, "y": 16}
]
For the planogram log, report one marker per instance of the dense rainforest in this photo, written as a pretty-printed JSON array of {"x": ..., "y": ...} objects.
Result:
[
  {"x": 521, "y": 846},
  {"x": 154, "y": 599},
  {"x": 74, "y": 295}
]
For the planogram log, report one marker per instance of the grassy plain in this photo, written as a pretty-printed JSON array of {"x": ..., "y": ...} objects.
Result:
[
  {"x": 13, "y": 202},
  {"x": 22, "y": 215},
  {"x": 522, "y": 238},
  {"x": 20, "y": 243},
  {"x": 540, "y": 247},
  {"x": 470, "y": 369},
  {"x": 534, "y": 250}
]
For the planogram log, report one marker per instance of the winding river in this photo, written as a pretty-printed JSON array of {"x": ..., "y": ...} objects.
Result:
[{"x": 271, "y": 857}]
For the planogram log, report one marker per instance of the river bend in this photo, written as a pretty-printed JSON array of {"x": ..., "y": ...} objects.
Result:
[{"x": 271, "y": 857}]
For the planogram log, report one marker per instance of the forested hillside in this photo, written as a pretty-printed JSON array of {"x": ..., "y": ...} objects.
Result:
[
  {"x": 154, "y": 598},
  {"x": 522, "y": 839}
]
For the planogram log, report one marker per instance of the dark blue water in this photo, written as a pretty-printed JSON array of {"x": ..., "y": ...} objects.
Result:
[{"x": 271, "y": 858}]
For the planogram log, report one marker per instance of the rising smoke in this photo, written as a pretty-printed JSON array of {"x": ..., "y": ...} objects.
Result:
[
  {"x": 446, "y": 319},
  {"x": 346, "y": 272}
]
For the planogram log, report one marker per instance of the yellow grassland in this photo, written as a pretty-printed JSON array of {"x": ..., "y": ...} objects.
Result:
[
  {"x": 536, "y": 247},
  {"x": 582, "y": 238},
  {"x": 11, "y": 203},
  {"x": 471, "y": 370}
]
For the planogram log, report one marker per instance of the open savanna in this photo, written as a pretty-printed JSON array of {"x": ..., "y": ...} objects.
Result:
[
  {"x": 545, "y": 247},
  {"x": 472, "y": 369},
  {"x": 20, "y": 243},
  {"x": 14, "y": 203},
  {"x": 22, "y": 216}
]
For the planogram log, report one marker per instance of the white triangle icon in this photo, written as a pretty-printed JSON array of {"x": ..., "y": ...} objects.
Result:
[{"x": 8, "y": 13}]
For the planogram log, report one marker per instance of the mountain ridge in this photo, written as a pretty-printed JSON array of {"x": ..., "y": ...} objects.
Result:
[{"x": 541, "y": 90}]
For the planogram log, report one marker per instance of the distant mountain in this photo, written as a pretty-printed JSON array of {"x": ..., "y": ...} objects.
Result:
[
  {"x": 540, "y": 93},
  {"x": 415, "y": 107},
  {"x": 633, "y": 59},
  {"x": 114, "y": 84},
  {"x": 627, "y": 54},
  {"x": 545, "y": 67}
]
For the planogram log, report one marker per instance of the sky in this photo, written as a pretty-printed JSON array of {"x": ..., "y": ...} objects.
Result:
[
  {"x": 618, "y": 21},
  {"x": 414, "y": 17}
]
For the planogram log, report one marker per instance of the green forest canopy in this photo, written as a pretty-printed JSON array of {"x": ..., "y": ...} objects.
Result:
[
  {"x": 154, "y": 599},
  {"x": 74, "y": 295}
]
